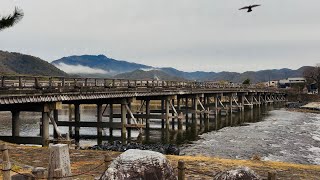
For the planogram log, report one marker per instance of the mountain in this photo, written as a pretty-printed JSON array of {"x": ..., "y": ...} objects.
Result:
[
  {"x": 92, "y": 65},
  {"x": 102, "y": 66},
  {"x": 12, "y": 63},
  {"x": 144, "y": 75}
]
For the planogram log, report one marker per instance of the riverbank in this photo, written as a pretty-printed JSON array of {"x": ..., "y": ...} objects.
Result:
[
  {"x": 306, "y": 107},
  {"x": 197, "y": 167}
]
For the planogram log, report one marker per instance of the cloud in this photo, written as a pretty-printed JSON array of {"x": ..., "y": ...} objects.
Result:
[
  {"x": 79, "y": 69},
  {"x": 149, "y": 69}
]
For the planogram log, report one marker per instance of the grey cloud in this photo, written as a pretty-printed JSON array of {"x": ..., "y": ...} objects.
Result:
[{"x": 186, "y": 34}]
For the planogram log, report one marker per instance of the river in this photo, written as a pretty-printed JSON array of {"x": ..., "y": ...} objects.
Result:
[
  {"x": 270, "y": 132},
  {"x": 280, "y": 136}
]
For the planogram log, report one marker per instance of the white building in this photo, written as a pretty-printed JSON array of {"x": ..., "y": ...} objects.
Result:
[
  {"x": 291, "y": 81},
  {"x": 271, "y": 84}
]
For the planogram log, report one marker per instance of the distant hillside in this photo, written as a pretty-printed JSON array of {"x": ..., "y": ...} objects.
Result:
[
  {"x": 93, "y": 65},
  {"x": 16, "y": 63},
  {"x": 152, "y": 74},
  {"x": 256, "y": 76},
  {"x": 102, "y": 66}
]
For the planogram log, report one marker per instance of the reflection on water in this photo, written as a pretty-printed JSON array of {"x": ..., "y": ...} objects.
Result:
[
  {"x": 31, "y": 122},
  {"x": 191, "y": 132}
]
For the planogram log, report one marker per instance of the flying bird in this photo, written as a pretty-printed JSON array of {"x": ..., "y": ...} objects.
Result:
[
  {"x": 10, "y": 20},
  {"x": 250, "y": 7}
]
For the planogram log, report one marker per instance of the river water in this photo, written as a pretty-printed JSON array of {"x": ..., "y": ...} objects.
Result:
[
  {"x": 270, "y": 132},
  {"x": 279, "y": 136}
]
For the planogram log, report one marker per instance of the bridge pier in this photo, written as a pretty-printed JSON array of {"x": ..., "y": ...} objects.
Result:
[
  {"x": 230, "y": 102},
  {"x": 99, "y": 121},
  {"x": 15, "y": 123},
  {"x": 216, "y": 99},
  {"x": 173, "y": 115},
  {"x": 187, "y": 112},
  {"x": 162, "y": 113},
  {"x": 45, "y": 128},
  {"x": 167, "y": 112},
  {"x": 128, "y": 122},
  {"x": 148, "y": 113},
  {"x": 77, "y": 123},
  {"x": 111, "y": 119},
  {"x": 56, "y": 119},
  {"x": 71, "y": 113},
  {"x": 123, "y": 121}
]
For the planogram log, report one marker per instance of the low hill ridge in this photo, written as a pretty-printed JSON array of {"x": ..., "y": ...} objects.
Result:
[{"x": 12, "y": 63}]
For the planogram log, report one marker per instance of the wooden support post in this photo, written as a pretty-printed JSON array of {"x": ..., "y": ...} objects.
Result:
[
  {"x": 195, "y": 108},
  {"x": 15, "y": 123},
  {"x": 242, "y": 103},
  {"x": 123, "y": 122},
  {"x": 251, "y": 101},
  {"x": 178, "y": 105},
  {"x": 181, "y": 170},
  {"x": 172, "y": 114},
  {"x": 230, "y": 101},
  {"x": 45, "y": 129},
  {"x": 201, "y": 114},
  {"x": 129, "y": 122},
  {"x": 56, "y": 119},
  {"x": 187, "y": 113},
  {"x": 180, "y": 121},
  {"x": 20, "y": 82},
  {"x": 77, "y": 123},
  {"x": 147, "y": 113},
  {"x": 111, "y": 119},
  {"x": 216, "y": 105},
  {"x": 6, "y": 165},
  {"x": 180, "y": 115},
  {"x": 3, "y": 81},
  {"x": 162, "y": 113},
  {"x": 167, "y": 112},
  {"x": 70, "y": 119},
  {"x": 99, "y": 120}
]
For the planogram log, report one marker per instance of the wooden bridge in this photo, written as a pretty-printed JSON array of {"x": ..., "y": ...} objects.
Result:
[{"x": 177, "y": 99}]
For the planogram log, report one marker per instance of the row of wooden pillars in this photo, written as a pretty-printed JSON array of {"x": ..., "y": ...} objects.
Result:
[{"x": 174, "y": 109}]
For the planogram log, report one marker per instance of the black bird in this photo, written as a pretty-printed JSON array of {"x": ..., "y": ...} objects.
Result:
[
  {"x": 12, "y": 19},
  {"x": 250, "y": 7}
]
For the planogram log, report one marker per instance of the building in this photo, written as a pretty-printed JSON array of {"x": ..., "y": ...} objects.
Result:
[
  {"x": 290, "y": 82},
  {"x": 271, "y": 84}
]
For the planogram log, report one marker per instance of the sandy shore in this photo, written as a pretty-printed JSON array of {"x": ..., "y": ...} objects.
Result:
[{"x": 198, "y": 167}]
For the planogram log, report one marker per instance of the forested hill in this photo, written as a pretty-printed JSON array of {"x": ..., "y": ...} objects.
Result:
[{"x": 20, "y": 64}]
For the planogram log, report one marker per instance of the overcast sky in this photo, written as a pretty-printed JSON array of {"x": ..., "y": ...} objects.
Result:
[{"x": 191, "y": 35}]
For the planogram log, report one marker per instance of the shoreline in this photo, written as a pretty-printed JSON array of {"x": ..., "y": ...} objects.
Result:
[{"x": 197, "y": 167}]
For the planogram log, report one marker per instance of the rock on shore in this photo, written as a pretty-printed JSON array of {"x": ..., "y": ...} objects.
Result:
[
  {"x": 140, "y": 164},
  {"x": 118, "y": 146}
]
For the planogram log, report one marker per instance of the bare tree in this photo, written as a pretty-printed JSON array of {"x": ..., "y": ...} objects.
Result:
[
  {"x": 12, "y": 19},
  {"x": 312, "y": 75}
]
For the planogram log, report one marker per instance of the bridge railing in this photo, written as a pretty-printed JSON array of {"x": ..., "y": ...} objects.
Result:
[{"x": 46, "y": 82}]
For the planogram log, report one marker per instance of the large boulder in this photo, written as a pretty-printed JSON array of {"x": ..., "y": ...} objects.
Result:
[
  {"x": 140, "y": 164},
  {"x": 240, "y": 173}
]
